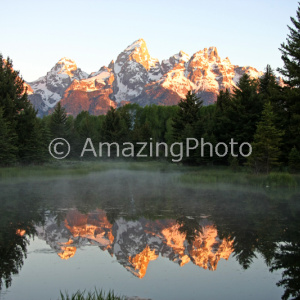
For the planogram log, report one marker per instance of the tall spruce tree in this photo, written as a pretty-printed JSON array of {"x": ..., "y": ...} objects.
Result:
[
  {"x": 223, "y": 123},
  {"x": 267, "y": 83},
  {"x": 245, "y": 110},
  {"x": 115, "y": 127},
  {"x": 187, "y": 124},
  {"x": 187, "y": 115},
  {"x": 59, "y": 125},
  {"x": 18, "y": 115},
  {"x": 266, "y": 144},
  {"x": 85, "y": 126},
  {"x": 237, "y": 114},
  {"x": 291, "y": 53},
  {"x": 8, "y": 137},
  {"x": 32, "y": 142},
  {"x": 294, "y": 160},
  {"x": 291, "y": 72},
  {"x": 13, "y": 98}
]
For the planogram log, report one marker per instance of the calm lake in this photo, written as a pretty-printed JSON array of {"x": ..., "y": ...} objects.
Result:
[{"x": 147, "y": 234}]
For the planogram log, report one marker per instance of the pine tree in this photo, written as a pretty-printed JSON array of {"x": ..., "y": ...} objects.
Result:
[
  {"x": 115, "y": 128},
  {"x": 187, "y": 115},
  {"x": 13, "y": 98},
  {"x": 19, "y": 115},
  {"x": 237, "y": 114},
  {"x": 32, "y": 142},
  {"x": 223, "y": 124},
  {"x": 59, "y": 125},
  {"x": 85, "y": 126},
  {"x": 267, "y": 141},
  {"x": 267, "y": 83},
  {"x": 187, "y": 123},
  {"x": 294, "y": 160},
  {"x": 291, "y": 53},
  {"x": 245, "y": 109},
  {"x": 291, "y": 72},
  {"x": 8, "y": 150}
]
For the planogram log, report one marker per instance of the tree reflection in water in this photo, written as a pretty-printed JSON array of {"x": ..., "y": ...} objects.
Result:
[
  {"x": 287, "y": 258},
  {"x": 13, "y": 250}
]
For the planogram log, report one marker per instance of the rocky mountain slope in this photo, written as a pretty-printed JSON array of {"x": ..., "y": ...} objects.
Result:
[{"x": 136, "y": 77}]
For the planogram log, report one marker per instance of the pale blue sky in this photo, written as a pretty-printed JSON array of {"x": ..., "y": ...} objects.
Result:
[{"x": 36, "y": 34}]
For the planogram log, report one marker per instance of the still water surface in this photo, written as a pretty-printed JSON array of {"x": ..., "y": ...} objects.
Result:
[{"x": 147, "y": 234}]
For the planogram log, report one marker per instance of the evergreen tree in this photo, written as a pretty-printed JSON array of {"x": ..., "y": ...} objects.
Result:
[
  {"x": 187, "y": 124},
  {"x": 85, "y": 126},
  {"x": 32, "y": 143},
  {"x": 267, "y": 83},
  {"x": 245, "y": 109},
  {"x": 142, "y": 133},
  {"x": 13, "y": 97},
  {"x": 223, "y": 100},
  {"x": 115, "y": 128},
  {"x": 291, "y": 53},
  {"x": 291, "y": 72},
  {"x": 223, "y": 121},
  {"x": 8, "y": 150},
  {"x": 237, "y": 114},
  {"x": 266, "y": 145},
  {"x": 294, "y": 160},
  {"x": 59, "y": 125},
  {"x": 187, "y": 115},
  {"x": 19, "y": 115}
]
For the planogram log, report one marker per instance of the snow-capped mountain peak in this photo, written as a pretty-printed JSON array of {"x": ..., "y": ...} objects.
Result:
[
  {"x": 140, "y": 43},
  {"x": 49, "y": 89},
  {"x": 136, "y": 52},
  {"x": 133, "y": 69},
  {"x": 65, "y": 66}
]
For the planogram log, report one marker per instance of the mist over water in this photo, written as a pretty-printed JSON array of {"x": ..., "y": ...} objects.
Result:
[{"x": 140, "y": 232}]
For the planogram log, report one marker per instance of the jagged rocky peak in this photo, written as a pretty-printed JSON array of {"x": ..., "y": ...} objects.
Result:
[
  {"x": 101, "y": 70},
  {"x": 177, "y": 59},
  {"x": 134, "y": 69},
  {"x": 181, "y": 57},
  {"x": 137, "y": 52},
  {"x": 67, "y": 67},
  {"x": 111, "y": 65},
  {"x": 213, "y": 54},
  {"x": 205, "y": 56},
  {"x": 226, "y": 60},
  {"x": 49, "y": 89}
]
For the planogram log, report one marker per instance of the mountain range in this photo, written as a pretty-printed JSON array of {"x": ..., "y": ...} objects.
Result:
[{"x": 135, "y": 77}]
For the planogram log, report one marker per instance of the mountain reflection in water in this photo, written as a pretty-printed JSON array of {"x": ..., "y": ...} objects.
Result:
[
  {"x": 135, "y": 243},
  {"x": 138, "y": 217}
]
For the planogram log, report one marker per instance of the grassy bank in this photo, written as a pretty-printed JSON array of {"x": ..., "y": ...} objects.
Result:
[
  {"x": 226, "y": 176},
  {"x": 69, "y": 167},
  {"x": 200, "y": 175}
]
